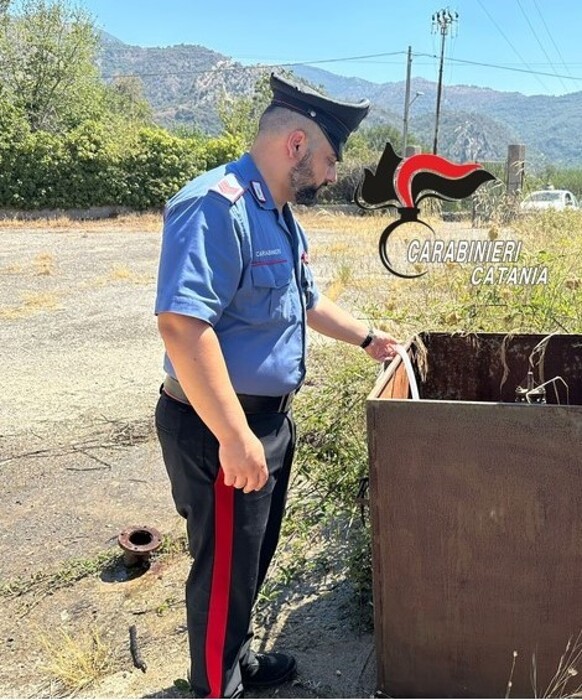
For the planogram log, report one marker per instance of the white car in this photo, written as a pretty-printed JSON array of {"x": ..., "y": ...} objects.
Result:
[{"x": 549, "y": 199}]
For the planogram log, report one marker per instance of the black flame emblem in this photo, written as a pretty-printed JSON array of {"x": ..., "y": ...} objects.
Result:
[{"x": 403, "y": 182}]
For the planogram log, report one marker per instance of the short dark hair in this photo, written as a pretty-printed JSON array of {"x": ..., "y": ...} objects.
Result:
[{"x": 277, "y": 119}]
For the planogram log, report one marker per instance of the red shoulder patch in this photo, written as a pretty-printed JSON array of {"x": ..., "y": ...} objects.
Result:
[{"x": 229, "y": 187}]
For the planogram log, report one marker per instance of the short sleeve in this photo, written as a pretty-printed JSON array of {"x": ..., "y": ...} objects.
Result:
[
  {"x": 312, "y": 291},
  {"x": 200, "y": 261}
]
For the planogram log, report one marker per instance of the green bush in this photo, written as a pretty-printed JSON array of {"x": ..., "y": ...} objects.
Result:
[
  {"x": 94, "y": 173},
  {"x": 98, "y": 164},
  {"x": 157, "y": 166},
  {"x": 332, "y": 449},
  {"x": 44, "y": 170},
  {"x": 222, "y": 149},
  {"x": 44, "y": 161}
]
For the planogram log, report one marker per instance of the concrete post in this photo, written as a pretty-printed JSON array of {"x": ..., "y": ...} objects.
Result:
[{"x": 515, "y": 169}]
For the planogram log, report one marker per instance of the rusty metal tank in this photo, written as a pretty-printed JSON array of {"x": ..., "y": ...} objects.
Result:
[{"x": 476, "y": 507}]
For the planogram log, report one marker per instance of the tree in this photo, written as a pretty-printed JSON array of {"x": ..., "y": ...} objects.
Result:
[
  {"x": 47, "y": 61},
  {"x": 240, "y": 115},
  {"x": 377, "y": 136},
  {"x": 126, "y": 97}
]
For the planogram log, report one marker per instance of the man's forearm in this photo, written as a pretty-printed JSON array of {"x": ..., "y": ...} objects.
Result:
[
  {"x": 330, "y": 319},
  {"x": 196, "y": 356}
]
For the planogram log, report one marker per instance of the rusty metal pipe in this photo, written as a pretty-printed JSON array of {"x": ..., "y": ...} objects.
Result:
[{"x": 138, "y": 544}]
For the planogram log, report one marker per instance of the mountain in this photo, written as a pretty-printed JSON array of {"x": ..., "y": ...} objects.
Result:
[{"x": 184, "y": 84}]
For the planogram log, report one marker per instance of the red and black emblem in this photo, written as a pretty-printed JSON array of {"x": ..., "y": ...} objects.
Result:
[{"x": 403, "y": 182}]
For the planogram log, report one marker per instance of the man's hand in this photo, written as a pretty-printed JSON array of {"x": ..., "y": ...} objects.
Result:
[
  {"x": 243, "y": 463},
  {"x": 195, "y": 353},
  {"x": 382, "y": 347}
]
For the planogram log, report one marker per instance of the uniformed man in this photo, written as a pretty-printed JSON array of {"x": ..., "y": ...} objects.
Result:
[{"x": 235, "y": 293}]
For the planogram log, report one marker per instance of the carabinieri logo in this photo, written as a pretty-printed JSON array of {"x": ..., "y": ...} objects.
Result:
[{"x": 403, "y": 182}]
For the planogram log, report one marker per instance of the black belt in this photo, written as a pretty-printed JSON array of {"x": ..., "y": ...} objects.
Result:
[
  {"x": 250, "y": 403},
  {"x": 265, "y": 404}
]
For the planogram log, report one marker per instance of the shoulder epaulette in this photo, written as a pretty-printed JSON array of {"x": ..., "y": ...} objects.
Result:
[{"x": 229, "y": 187}]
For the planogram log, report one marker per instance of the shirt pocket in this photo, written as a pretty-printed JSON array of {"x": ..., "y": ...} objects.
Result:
[{"x": 274, "y": 291}]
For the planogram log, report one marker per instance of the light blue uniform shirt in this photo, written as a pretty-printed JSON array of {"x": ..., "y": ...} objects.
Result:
[{"x": 231, "y": 259}]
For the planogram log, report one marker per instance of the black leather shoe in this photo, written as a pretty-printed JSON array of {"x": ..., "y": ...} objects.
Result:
[{"x": 266, "y": 670}]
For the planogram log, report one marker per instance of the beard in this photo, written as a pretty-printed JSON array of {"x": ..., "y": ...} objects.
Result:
[{"x": 303, "y": 182}]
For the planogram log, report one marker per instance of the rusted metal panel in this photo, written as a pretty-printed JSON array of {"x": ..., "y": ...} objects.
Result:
[
  {"x": 395, "y": 385},
  {"x": 477, "y": 524}
]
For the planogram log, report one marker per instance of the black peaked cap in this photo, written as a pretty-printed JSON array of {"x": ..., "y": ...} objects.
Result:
[{"x": 336, "y": 119}]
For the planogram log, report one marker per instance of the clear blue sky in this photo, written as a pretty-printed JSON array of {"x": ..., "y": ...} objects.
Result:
[{"x": 529, "y": 35}]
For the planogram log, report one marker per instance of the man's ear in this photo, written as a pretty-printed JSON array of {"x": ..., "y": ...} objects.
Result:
[{"x": 296, "y": 144}]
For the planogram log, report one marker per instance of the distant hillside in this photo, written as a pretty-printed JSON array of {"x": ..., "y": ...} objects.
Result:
[{"x": 184, "y": 84}]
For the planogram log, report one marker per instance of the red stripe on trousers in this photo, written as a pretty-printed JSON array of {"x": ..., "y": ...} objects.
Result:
[{"x": 220, "y": 587}]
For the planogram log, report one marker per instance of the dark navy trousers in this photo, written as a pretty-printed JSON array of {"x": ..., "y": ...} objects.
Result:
[{"x": 232, "y": 538}]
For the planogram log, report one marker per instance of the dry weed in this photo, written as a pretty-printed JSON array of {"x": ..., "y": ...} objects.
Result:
[
  {"x": 32, "y": 303},
  {"x": 119, "y": 273},
  {"x": 560, "y": 685},
  {"x": 76, "y": 662},
  {"x": 44, "y": 264}
]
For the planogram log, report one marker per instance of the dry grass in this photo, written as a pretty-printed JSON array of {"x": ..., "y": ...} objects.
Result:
[
  {"x": 122, "y": 273},
  {"x": 12, "y": 270},
  {"x": 119, "y": 274},
  {"x": 340, "y": 282},
  {"x": 129, "y": 223},
  {"x": 76, "y": 662},
  {"x": 345, "y": 249},
  {"x": 44, "y": 264},
  {"x": 322, "y": 220},
  {"x": 32, "y": 303}
]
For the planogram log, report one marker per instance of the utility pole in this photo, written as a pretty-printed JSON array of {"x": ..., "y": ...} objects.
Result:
[
  {"x": 406, "y": 101},
  {"x": 441, "y": 22}
]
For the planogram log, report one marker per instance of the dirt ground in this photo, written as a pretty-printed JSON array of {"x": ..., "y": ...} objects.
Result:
[{"x": 82, "y": 363}]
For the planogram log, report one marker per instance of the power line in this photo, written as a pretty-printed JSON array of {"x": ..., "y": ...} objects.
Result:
[
  {"x": 556, "y": 47},
  {"x": 497, "y": 66},
  {"x": 229, "y": 69},
  {"x": 486, "y": 11},
  {"x": 533, "y": 31},
  {"x": 259, "y": 66},
  {"x": 502, "y": 67},
  {"x": 494, "y": 65}
]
